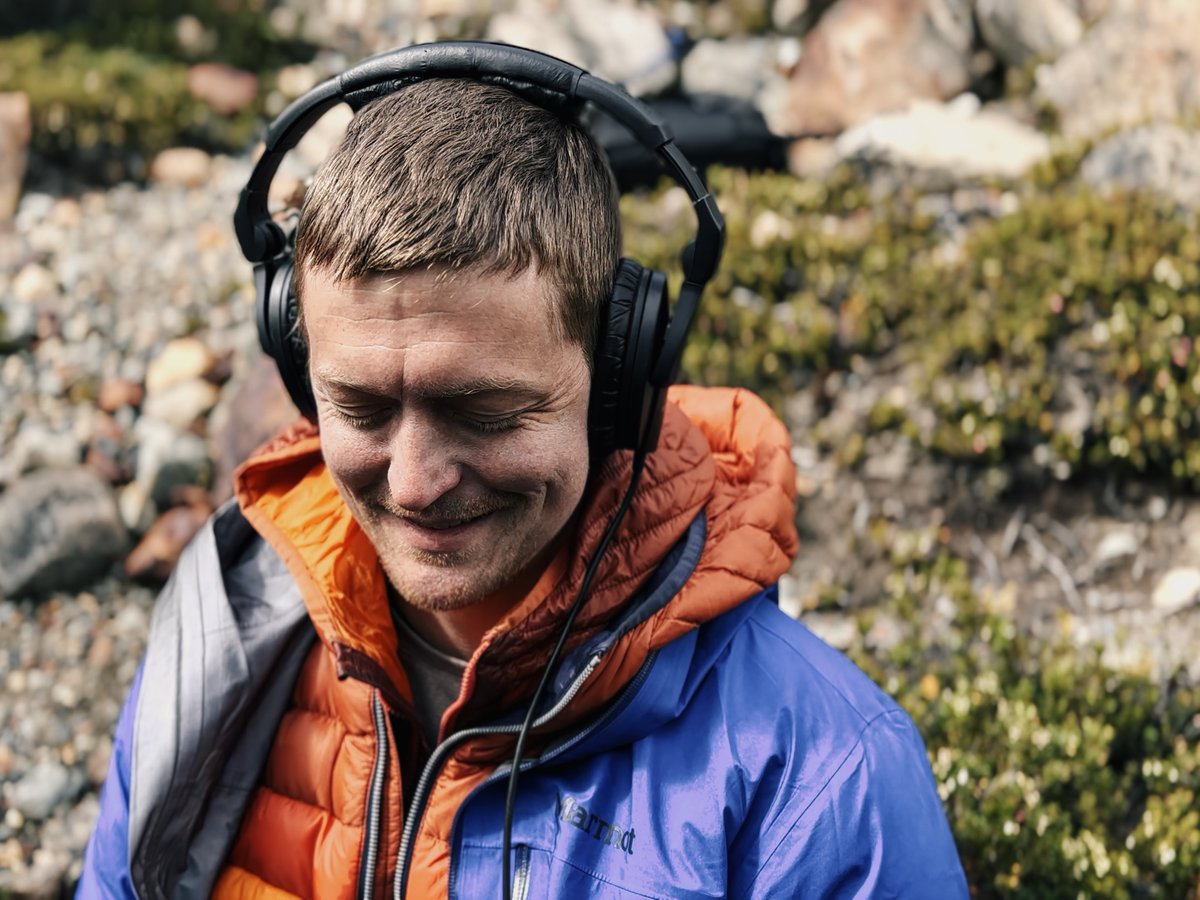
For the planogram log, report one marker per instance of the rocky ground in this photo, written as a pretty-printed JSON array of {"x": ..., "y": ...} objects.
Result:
[{"x": 131, "y": 383}]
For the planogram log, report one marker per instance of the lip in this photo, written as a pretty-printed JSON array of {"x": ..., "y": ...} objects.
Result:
[{"x": 450, "y": 539}]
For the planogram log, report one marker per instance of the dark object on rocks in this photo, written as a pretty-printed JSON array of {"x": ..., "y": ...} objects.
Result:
[
  {"x": 708, "y": 129},
  {"x": 58, "y": 530},
  {"x": 154, "y": 558}
]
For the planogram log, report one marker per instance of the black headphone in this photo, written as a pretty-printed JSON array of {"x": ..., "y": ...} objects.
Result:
[{"x": 639, "y": 346}]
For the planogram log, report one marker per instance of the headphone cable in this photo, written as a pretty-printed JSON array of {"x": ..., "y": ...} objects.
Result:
[{"x": 639, "y": 459}]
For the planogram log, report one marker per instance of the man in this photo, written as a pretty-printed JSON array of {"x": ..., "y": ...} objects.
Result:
[{"x": 336, "y": 674}]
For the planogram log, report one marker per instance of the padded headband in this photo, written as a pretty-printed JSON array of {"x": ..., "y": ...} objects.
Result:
[{"x": 543, "y": 80}]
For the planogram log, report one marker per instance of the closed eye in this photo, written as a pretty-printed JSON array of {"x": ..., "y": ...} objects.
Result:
[
  {"x": 490, "y": 426},
  {"x": 366, "y": 422}
]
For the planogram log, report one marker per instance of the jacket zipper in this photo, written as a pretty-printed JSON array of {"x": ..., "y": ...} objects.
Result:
[
  {"x": 627, "y": 695},
  {"x": 520, "y": 885},
  {"x": 416, "y": 808},
  {"x": 374, "y": 817}
]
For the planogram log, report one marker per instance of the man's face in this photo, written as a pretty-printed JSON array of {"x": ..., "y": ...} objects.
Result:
[{"x": 453, "y": 420}]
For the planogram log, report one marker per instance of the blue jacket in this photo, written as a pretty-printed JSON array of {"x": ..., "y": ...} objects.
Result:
[{"x": 744, "y": 757}]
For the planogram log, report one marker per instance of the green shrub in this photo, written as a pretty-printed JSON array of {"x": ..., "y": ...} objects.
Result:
[
  {"x": 105, "y": 112},
  {"x": 108, "y": 85},
  {"x": 1060, "y": 332},
  {"x": 1061, "y": 777}
]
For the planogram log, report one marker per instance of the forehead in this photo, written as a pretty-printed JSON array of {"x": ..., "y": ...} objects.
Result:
[
  {"x": 434, "y": 318},
  {"x": 526, "y": 297}
]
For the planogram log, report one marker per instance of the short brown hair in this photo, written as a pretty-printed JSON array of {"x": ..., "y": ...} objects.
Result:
[{"x": 467, "y": 176}]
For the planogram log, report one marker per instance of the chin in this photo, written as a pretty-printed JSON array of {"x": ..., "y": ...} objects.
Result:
[{"x": 441, "y": 586}]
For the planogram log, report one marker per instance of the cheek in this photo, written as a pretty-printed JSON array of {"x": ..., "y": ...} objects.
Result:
[
  {"x": 550, "y": 460},
  {"x": 352, "y": 458}
]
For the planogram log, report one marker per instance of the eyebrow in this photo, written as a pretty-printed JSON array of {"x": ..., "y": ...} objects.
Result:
[{"x": 443, "y": 389}]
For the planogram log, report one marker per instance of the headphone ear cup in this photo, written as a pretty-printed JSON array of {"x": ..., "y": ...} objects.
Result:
[
  {"x": 278, "y": 330},
  {"x": 625, "y": 410}
]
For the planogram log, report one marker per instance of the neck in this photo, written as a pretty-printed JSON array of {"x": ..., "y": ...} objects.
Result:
[{"x": 458, "y": 631}]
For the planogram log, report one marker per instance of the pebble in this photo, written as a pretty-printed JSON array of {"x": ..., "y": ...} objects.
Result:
[
  {"x": 41, "y": 789},
  {"x": 1177, "y": 590},
  {"x": 1116, "y": 546},
  {"x": 181, "y": 167},
  {"x": 183, "y": 359}
]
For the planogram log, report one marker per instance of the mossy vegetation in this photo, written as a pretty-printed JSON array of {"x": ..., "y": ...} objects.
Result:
[
  {"x": 1056, "y": 326},
  {"x": 107, "y": 83},
  {"x": 1061, "y": 776}
]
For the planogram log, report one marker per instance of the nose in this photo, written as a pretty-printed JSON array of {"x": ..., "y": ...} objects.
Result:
[{"x": 423, "y": 465}]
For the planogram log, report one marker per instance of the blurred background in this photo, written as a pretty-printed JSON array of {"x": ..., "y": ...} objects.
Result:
[{"x": 965, "y": 269}]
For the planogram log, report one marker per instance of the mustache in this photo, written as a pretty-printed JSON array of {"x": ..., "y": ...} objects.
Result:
[{"x": 445, "y": 509}]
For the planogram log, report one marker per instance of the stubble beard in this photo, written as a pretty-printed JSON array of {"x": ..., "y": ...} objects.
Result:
[{"x": 452, "y": 594}]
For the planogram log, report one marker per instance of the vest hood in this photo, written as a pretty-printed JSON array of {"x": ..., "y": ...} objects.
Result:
[{"x": 722, "y": 472}]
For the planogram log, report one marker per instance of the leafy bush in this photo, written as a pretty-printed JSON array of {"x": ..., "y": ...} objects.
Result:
[
  {"x": 1061, "y": 777},
  {"x": 108, "y": 86},
  {"x": 1054, "y": 326}
]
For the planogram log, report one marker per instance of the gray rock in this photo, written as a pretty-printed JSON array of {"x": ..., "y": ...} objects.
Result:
[
  {"x": 37, "y": 446},
  {"x": 58, "y": 530},
  {"x": 18, "y": 324},
  {"x": 738, "y": 68},
  {"x": 625, "y": 43},
  {"x": 1160, "y": 156},
  {"x": 1137, "y": 64},
  {"x": 955, "y": 140},
  {"x": 42, "y": 788},
  {"x": 137, "y": 508},
  {"x": 168, "y": 458},
  {"x": 866, "y": 57},
  {"x": 182, "y": 403},
  {"x": 1019, "y": 31},
  {"x": 618, "y": 41},
  {"x": 549, "y": 33}
]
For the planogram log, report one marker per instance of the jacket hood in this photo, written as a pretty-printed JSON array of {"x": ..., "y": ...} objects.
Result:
[{"x": 723, "y": 464}]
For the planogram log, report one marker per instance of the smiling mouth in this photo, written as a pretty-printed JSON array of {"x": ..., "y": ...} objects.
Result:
[{"x": 446, "y": 524}]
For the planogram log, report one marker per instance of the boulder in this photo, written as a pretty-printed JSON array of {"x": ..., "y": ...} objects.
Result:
[
  {"x": 866, "y": 57},
  {"x": 1159, "y": 156},
  {"x": 625, "y": 42},
  {"x": 739, "y": 67},
  {"x": 58, "y": 531},
  {"x": 1019, "y": 31},
  {"x": 622, "y": 42},
  {"x": 1137, "y": 64},
  {"x": 956, "y": 140}
]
